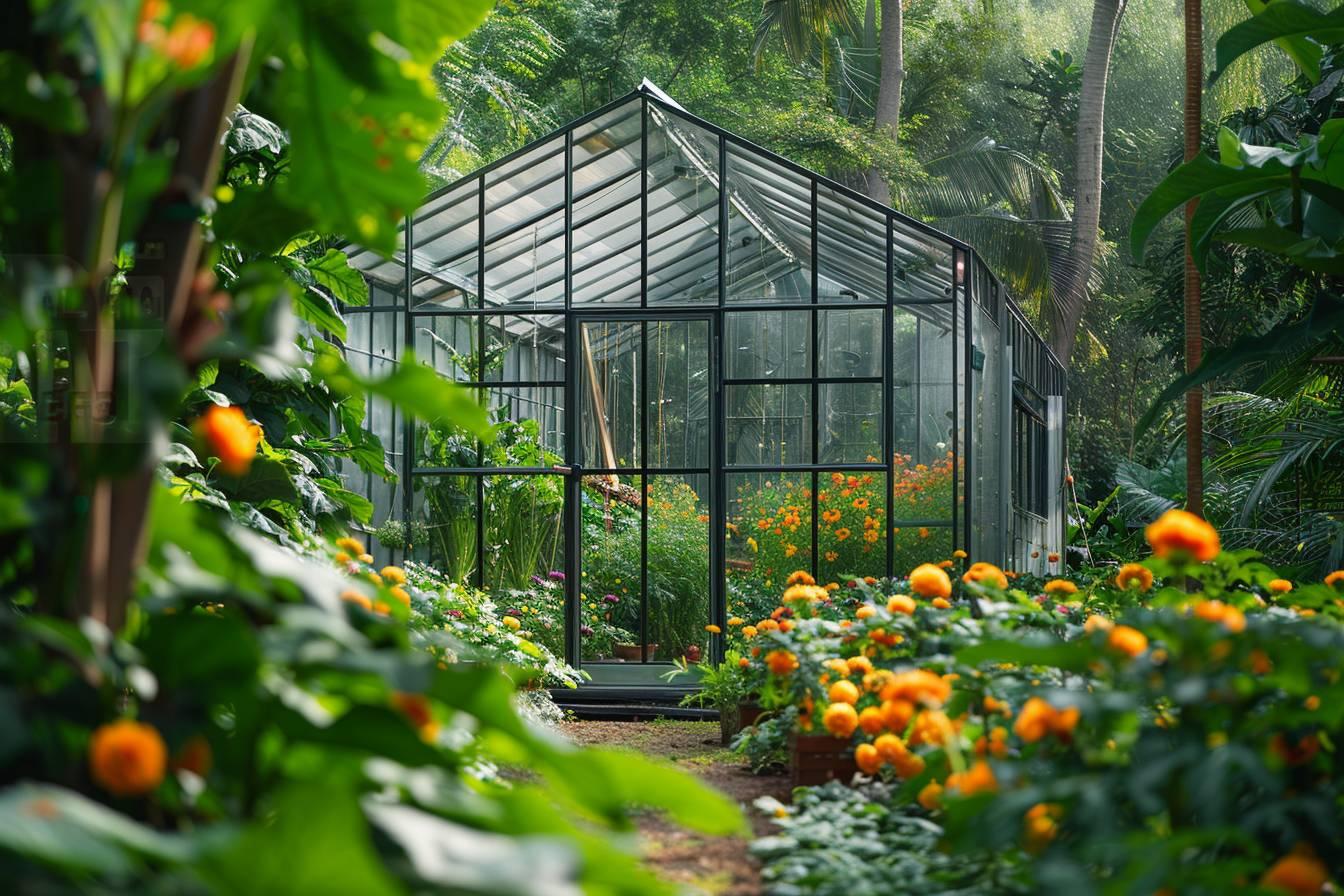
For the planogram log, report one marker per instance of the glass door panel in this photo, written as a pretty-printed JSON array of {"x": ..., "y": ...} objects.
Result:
[{"x": 643, "y": 388}]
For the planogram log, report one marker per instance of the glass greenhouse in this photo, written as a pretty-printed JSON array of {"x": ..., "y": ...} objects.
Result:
[{"x": 713, "y": 367}]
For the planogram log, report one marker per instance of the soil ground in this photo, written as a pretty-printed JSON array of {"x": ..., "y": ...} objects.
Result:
[{"x": 713, "y": 866}]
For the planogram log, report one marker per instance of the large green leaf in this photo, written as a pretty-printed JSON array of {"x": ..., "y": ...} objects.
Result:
[
  {"x": 1297, "y": 27},
  {"x": 64, "y": 828},
  {"x": 333, "y": 271},
  {"x": 313, "y": 841}
]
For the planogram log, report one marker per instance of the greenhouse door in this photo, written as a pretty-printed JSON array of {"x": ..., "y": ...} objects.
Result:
[{"x": 642, "y": 407}]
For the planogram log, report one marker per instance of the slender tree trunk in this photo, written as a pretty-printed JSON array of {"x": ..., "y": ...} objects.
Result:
[
  {"x": 1066, "y": 312},
  {"x": 1194, "y": 343},
  {"x": 887, "y": 111}
]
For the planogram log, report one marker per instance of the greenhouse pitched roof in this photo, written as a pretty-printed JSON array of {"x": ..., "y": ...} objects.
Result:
[{"x": 642, "y": 171}]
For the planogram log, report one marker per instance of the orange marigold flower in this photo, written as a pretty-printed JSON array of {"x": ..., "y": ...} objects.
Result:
[
  {"x": 1335, "y": 578},
  {"x": 1179, "y": 533},
  {"x": 1280, "y": 586},
  {"x": 351, "y": 596},
  {"x": 871, "y": 721},
  {"x": 394, "y": 574},
  {"x": 400, "y": 594},
  {"x": 842, "y": 533},
  {"x": 927, "y": 580},
  {"x": 941, "y": 603},
  {"x": 1133, "y": 577},
  {"x": 896, "y": 714},
  {"x": 865, "y": 611},
  {"x": 781, "y": 662},
  {"x": 891, "y": 748},
  {"x": 1228, "y": 616},
  {"x": 1129, "y": 641},
  {"x": 901, "y": 603},
  {"x": 800, "y": 577},
  {"x": 843, "y": 691},
  {"x": 748, "y": 631},
  {"x": 867, "y": 759},
  {"x": 918, "y": 686},
  {"x": 931, "y": 796},
  {"x": 713, "y": 629},
  {"x": 1033, "y": 722},
  {"x": 127, "y": 758},
  {"x": 840, "y": 719},
  {"x": 986, "y": 574},
  {"x": 979, "y": 778},
  {"x": 1097, "y": 623},
  {"x": 959, "y": 554},
  {"x": 417, "y": 710},
  {"x": 230, "y": 436},
  {"x": 1060, "y": 586},
  {"x": 1299, "y": 873},
  {"x": 195, "y": 756},
  {"x": 859, "y": 664}
]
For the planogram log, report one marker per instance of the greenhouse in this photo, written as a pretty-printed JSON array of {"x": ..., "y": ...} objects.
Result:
[{"x": 711, "y": 367}]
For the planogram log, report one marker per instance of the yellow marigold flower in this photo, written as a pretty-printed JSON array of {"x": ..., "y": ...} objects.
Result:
[
  {"x": 843, "y": 691},
  {"x": 341, "y": 558},
  {"x": 840, "y": 719},
  {"x": 941, "y": 603},
  {"x": 865, "y": 611},
  {"x": 351, "y": 596},
  {"x": 1312, "y": 703},
  {"x": 858, "y": 664},
  {"x": 1133, "y": 577},
  {"x": 230, "y": 436},
  {"x": 1179, "y": 533},
  {"x": 751, "y": 543},
  {"x": 394, "y": 574},
  {"x": 511, "y": 623},
  {"x": 1129, "y": 641},
  {"x": 748, "y": 631},
  {"x": 781, "y": 662},
  {"x": 901, "y": 603},
  {"x": 1280, "y": 586},
  {"x": 1299, "y": 873},
  {"x": 931, "y": 795},
  {"x": 350, "y": 545},
  {"x": 735, "y": 621},
  {"x": 405, "y": 599},
  {"x": 959, "y": 554},
  {"x": 1060, "y": 586},
  {"x": 713, "y": 629},
  {"x": 986, "y": 574},
  {"x": 867, "y": 759},
  {"x": 927, "y": 580},
  {"x": 127, "y": 758}
]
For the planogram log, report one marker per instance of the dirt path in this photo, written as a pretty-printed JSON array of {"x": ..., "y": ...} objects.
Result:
[{"x": 713, "y": 866}]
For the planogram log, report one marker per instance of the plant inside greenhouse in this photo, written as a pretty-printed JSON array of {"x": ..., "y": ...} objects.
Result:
[{"x": 716, "y": 448}]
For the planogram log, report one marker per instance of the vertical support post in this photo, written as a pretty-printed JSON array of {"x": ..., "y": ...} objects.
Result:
[
  {"x": 956, "y": 409},
  {"x": 970, "y": 280},
  {"x": 815, "y": 402},
  {"x": 889, "y": 401},
  {"x": 573, "y": 478},
  {"x": 408, "y": 341},
  {"x": 479, "y": 376},
  {"x": 718, "y": 477}
]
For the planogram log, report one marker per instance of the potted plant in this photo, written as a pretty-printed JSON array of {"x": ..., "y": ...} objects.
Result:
[{"x": 724, "y": 687}]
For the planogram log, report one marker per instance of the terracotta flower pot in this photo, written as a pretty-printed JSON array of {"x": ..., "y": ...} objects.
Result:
[
  {"x": 630, "y": 653},
  {"x": 817, "y": 758}
]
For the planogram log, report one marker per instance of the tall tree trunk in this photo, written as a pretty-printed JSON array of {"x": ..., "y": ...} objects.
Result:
[
  {"x": 887, "y": 111},
  {"x": 1066, "y": 312},
  {"x": 1194, "y": 343}
]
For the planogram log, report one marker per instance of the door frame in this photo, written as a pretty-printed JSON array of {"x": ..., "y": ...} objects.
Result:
[{"x": 574, "y": 471}]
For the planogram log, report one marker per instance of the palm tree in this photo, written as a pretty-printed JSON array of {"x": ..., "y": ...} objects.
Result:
[
  {"x": 1066, "y": 313},
  {"x": 1194, "y": 344}
]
